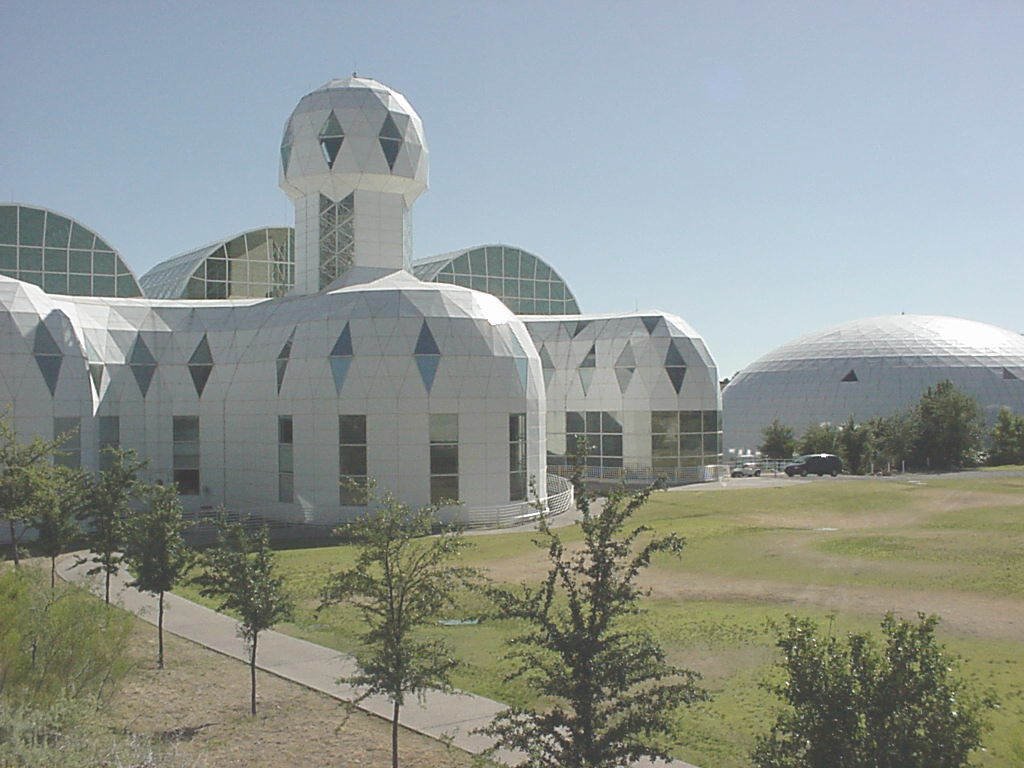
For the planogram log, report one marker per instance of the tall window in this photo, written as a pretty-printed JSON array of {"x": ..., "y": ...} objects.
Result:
[
  {"x": 186, "y": 454},
  {"x": 70, "y": 451},
  {"x": 517, "y": 457},
  {"x": 603, "y": 433},
  {"x": 352, "y": 460},
  {"x": 109, "y": 429},
  {"x": 285, "y": 460},
  {"x": 444, "y": 457},
  {"x": 683, "y": 440}
]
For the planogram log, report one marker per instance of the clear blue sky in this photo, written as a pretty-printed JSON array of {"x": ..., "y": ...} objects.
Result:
[{"x": 761, "y": 169}]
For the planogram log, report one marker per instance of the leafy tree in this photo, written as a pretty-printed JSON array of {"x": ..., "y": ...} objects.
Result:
[
  {"x": 111, "y": 494},
  {"x": 60, "y": 498},
  {"x": 614, "y": 692},
  {"x": 893, "y": 438},
  {"x": 1007, "y": 439},
  {"x": 779, "y": 442},
  {"x": 948, "y": 427},
  {"x": 855, "y": 446},
  {"x": 18, "y": 485},
  {"x": 853, "y": 705},
  {"x": 402, "y": 580},
  {"x": 155, "y": 549},
  {"x": 819, "y": 438},
  {"x": 239, "y": 570}
]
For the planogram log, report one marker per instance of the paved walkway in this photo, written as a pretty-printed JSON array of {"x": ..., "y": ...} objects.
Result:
[{"x": 451, "y": 716}]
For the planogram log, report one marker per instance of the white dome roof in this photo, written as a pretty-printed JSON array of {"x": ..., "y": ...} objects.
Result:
[{"x": 873, "y": 367}]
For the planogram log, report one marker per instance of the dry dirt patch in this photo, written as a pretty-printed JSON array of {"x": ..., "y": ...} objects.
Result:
[{"x": 200, "y": 704}]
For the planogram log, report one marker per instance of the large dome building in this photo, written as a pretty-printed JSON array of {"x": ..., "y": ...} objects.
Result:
[{"x": 872, "y": 367}]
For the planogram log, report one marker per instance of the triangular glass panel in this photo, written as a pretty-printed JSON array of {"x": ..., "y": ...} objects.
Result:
[
  {"x": 851, "y": 376},
  {"x": 331, "y": 139},
  {"x": 282, "y": 361},
  {"x": 586, "y": 377},
  {"x": 49, "y": 366},
  {"x": 626, "y": 359},
  {"x": 425, "y": 344},
  {"x": 428, "y": 369},
  {"x": 202, "y": 355},
  {"x": 388, "y": 130},
  {"x": 96, "y": 372},
  {"x": 673, "y": 357},
  {"x": 650, "y": 323},
  {"x": 200, "y": 375},
  {"x": 143, "y": 376},
  {"x": 624, "y": 376},
  {"x": 286, "y": 147},
  {"x": 580, "y": 325},
  {"x": 140, "y": 354},
  {"x": 1009, "y": 375},
  {"x": 44, "y": 343},
  {"x": 676, "y": 374},
  {"x": 339, "y": 370},
  {"x": 545, "y": 359},
  {"x": 343, "y": 346},
  {"x": 590, "y": 360}
]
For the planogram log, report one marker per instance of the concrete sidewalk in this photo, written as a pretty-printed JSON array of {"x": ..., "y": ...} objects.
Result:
[{"x": 451, "y": 716}]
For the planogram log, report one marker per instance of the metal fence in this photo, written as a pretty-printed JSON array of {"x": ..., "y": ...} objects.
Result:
[{"x": 645, "y": 475}]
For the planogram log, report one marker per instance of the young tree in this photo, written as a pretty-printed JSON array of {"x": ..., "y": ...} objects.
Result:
[
  {"x": 779, "y": 442},
  {"x": 402, "y": 580},
  {"x": 61, "y": 496},
  {"x": 851, "y": 705},
  {"x": 819, "y": 438},
  {"x": 614, "y": 692},
  {"x": 893, "y": 438},
  {"x": 949, "y": 427},
  {"x": 111, "y": 494},
  {"x": 239, "y": 570},
  {"x": 855, "y": 446},
  {"x": 17, "y": 485},
  {"x": 1007, "y": 439},
  {"x": 155, "y": 549}
]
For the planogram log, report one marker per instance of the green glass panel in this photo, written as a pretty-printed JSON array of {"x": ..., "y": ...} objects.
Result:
[
  {"x": 494, "y": 261},
  {"x": 478, "y": 282},
  {"x": 236, "y": 248},
  {"x": 543, "y": 271},
  {"x": 511, "y": 262},
  {"x": 352, "y": 459},
  {"x": 8, "y": 257},
  {"x": 254, "y": 240},
  {"x": 55, "y": 283},
  {"x": 475, "y": 261},
  {"x": 558, "y": 291},
  {"x": 101, "y": 246},
  {"x": 80, "y": 236},
  {"x": 80, "y": 262},
  {"x": 55, "y": 261},
  {"x": 216, "y": 290},
  {"x": 444, "y": 427},
  {"x": 30, "y": 226},
  {"x": 711, "y": 421},
  {"x": 444, "y": 488},
  {"x": 102, "y": 285},
  {"x": 543, "y": 307},
  {"x": 444, "y": 459},
  {"x": 664, "y": 446},
  {"x": 36, "y": 278},
  {"x": 461, "y": 265},
  {"x": 8, "y": 224},
  {"x": 216, "y": 269},
  {"x": 690, "y": 421},
  {"x": 58, "y": 230},
  {"x": 690, "y": 445},
  {"x": 103, "y": 263},
  {"x": 511, "y": 288},
  {"x": 665, "y": 422},
  {"x": 351, "y": 429},
  {"x": 527, "y": 307},
  {"x": 127, "y": 287},
  {"x": 711, "y": 444},
  {"x": 80, "y": 285},
  {"x": 527, "y": 265},
  {"x": 9, "y": 272},
  {"x": 526, "y": 288}
]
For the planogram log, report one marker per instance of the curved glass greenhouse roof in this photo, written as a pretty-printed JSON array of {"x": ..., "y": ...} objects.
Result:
[
  {"x": 256, "y": 264},
  {"x": 873, "y": 367},
  {"x": 60, "y": 255},
  {"x": 526, "y": 283}
]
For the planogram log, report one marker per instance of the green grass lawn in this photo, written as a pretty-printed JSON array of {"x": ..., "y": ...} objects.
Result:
[{"x": 956, "y": 538}]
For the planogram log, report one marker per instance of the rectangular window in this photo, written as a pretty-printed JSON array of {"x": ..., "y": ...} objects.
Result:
[
  {"x": 185, "y": 461},
  {"x": 444, "y": 457},
  {"x": 603, "y": 433},
  {"x": 352, "y": 460},
  {"x": 109, "y": 439},
  {"x": 69, "y": 453},
  {"x": 517, "y": 457},
  {"x": 285, "y": 460}
]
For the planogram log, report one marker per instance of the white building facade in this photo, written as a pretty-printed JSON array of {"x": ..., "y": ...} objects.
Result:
[{"x": 279, "y": 371}]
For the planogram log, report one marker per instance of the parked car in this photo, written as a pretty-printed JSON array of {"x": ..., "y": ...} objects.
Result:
[
  {"x": 747, "y": 469},
  {"x": 815, "y": 464}
]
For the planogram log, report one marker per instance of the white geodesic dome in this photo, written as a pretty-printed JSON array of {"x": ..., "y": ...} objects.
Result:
[{"x": 873, "y": 367}]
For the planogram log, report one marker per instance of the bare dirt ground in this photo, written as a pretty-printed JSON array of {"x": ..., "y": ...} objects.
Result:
[{"x": 199, "y": 707}]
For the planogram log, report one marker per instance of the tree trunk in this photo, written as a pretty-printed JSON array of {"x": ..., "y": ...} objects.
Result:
[
  {"x": 160, "y": 634},
  {"x": 14, "y": 545},
  {"x": 106, "y": 589},
  {"x": 252, "y": 675},
  {"x": 53, "y": 572},
  {"x": 394, "y": 738}
]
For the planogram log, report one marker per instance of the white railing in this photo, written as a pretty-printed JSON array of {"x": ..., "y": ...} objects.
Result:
[
  {"x": 642, "y": 474},
  {"x": 560, "y": 499}
]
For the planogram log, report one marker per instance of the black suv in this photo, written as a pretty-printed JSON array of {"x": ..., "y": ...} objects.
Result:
[{"x": 815, "y": 464}]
